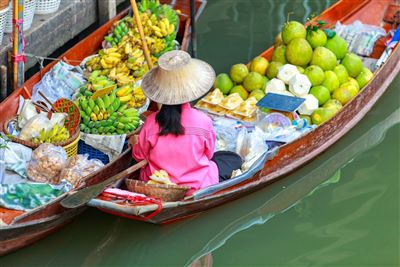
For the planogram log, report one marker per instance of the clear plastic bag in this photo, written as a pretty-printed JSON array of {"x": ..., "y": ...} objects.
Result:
[
  {"x": 60, "y": 82},
  {"x": 28, "y": 111},
  {"x": 47, "y": 163},
  {"x": 33, "y": 127},
  {"x": 227, "y": 131},
  {"x": 251, "y": 143},
  {"x": 361, "y": 38},
  {"x": 78, "y": 167},
  {"x": 16, "y": 157},
  {"x": 3, "y": 147}
]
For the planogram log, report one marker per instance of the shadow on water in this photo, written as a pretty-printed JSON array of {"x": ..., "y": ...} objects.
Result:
[{"x": 341, "y": 209}]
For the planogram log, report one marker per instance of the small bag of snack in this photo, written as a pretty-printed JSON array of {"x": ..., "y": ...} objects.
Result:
[
  {"x": 46, "y": 164},
  {"x": 78, "y": 167}
]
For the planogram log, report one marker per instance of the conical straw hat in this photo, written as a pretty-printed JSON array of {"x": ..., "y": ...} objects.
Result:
[{"x": 178, "y": 79}]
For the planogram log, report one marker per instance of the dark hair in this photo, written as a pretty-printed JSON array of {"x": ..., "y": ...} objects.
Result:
[{"x": 169, "y": 120}]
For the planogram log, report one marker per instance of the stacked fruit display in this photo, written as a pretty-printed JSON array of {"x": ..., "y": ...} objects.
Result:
[
  {"x": 312, "y": 63},
  {"x": 55, "y": 135},
  {"x": 107, "y": 115},
  {"x": 124, "y": 62}
]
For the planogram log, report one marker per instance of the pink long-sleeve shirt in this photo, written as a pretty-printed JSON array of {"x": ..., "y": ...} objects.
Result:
[{"x": 186, "y": 158}]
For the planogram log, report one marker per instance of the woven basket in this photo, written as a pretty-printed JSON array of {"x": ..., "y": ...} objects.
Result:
[
  {"x": 4, "y": 4},
  {"x": 29, "y": 12},
  {"x": 3, "y": 21},
  {"x": 32, "y": 145},
  {"x": 168, "y": 193},
  {"x": 72, "y": 149},
  {"x": 47, "y": 6}
]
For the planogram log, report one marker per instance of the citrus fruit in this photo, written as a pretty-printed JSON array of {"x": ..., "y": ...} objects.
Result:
[
  {"x": 341, "y": 73},
  {"x": 315, "y": 74},
  {"x": 241, "y": 91},
  {"x": 331, "y": 81},
  {"x": 273, "y": 69},
  {"x": 238, "y": 72},
  {"x": 253, "y": 81},
  {"x": 224, "y": 83},
  {"x": 342, "y": 94},
  {"x": 321, "y": 115},
  {"x": 266, "y": 80},
  {"x": 259, "y": 64},
  {"x": 333, "y": 104},
  {"x": 279, "y": 54},
  {"x": 354, "y": 82},
  {"x": 257, "y": 94},
  {"x": 299, "y": 52},
  {"x": 300, "y": 69},
  {"x": 353, "y": 64},
  {"x": 324, "y": 58},
  {"x": 338, "y": 46},
  {"x": 321, "y": 93},
  {"x": 351, "y": 87},
  {"x": 292, "y": 30},
  {"x": 364, "y": 77},
  {"x": 316, "y": 38}
]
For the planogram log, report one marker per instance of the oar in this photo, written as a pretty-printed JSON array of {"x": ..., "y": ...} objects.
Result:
[{"x": 83, "y": 196}]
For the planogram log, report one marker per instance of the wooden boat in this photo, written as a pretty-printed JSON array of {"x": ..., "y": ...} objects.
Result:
[
  {"x": 23, "y": 228},
  {"x": 292, "y": 155},
  {"x": 214, "y": 229}
]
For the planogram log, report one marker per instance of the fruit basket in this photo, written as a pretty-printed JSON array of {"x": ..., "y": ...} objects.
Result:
[
  {"x": 47, "y": 6},
  {"x": 29, "y": 12},
  {"x": 167, "y": 193}
]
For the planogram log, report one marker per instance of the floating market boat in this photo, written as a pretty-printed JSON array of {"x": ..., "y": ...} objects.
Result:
[
  {"x": 19, "y": 229},
  {"x": 277, "y": 163}
]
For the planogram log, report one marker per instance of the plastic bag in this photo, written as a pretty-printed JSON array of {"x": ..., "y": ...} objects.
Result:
[
  {"x": 361, "y": 38},
  {"x": 78, "y": 167},
  {"x": 226, "y": 131},
  {"x": 33, "y": 127},
  {"x": 251, "y": 143},
  {"x": 60, "y": 82},
  {"x": 47, "y": 163},
  {"x": 16, "y": 157},
  {"x": 3, "y": 147},
  {"x": 28, "y": 111}
]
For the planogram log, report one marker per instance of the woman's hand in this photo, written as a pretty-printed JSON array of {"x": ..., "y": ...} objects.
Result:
[{"x": 133, "y": 140}]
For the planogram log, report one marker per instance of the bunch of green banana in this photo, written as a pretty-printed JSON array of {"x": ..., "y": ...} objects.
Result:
[
  {"x": 56, "y": 135},
  {"x": 120, "y": 30}
]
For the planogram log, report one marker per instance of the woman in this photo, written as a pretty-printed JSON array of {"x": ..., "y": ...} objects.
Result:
[{"x": 177, "y": 138}]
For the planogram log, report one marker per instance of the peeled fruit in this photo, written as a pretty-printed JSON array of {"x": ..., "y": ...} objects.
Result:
[
  {"x": 238, "y": 72},
  {"x": 309, "y": 105},
  {"x": 364, "y": 77},
  {"x": 342, "y": 94},
  {"x": 315, "y": 74},
  {"x": 321, "y": 93},
  {"x": 299, "y": 52},
  {"x": 241, "y": 91},
  {"x": 316, "y": 38},
  {"x": 321, "y": 115},
  {"x": 299, "y": 85},
  {"x": 333, "y": 104},
  {"x": 275, "y": 85},
  {"x": 353, "y": 64},
  {"x": 324, "y": 58},
  {"x": 279, "y": 54},
  {"x": 224, "y": 83},
  {"x": 257, "y": 94},
  {"x": 341, "y": 73},
  {"x": 259, "y": 64},
  {"x": 292, "y": 30},
  {"x": 253, "y": 81},
  {"x": 338, "y": 46},
  {"x": 331, "y": 81},
  {"x": 286, "y": 72},
  {"x": 273, "y": 68}
]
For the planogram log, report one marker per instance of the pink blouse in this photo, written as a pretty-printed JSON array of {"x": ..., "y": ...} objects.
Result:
[{"x": 186, "y": 158}]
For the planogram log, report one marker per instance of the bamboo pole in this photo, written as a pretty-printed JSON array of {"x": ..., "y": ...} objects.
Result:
[
  {"x": 193, "y": 34},
  {"x": 141, "y": 32},
  {"x": 15, "y": 45},
  {"x": 21, "y": 64}
]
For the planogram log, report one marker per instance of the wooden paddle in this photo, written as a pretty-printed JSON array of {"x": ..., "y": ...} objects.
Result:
[{"x": 83, "y": 196}]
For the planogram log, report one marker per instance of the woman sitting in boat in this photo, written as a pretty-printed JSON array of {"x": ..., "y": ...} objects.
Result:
[{"x": 178, "y": 138}]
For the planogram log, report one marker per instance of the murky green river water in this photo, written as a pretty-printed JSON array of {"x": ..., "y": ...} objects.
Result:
[{"x": 342, "y": 209}]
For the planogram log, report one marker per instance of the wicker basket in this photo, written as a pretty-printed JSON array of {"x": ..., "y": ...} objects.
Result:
[
  {"x": 4, "y": 4},
  {"x": 72, "y": 149},
  {"x": 29, "y": 12},
  {"x": 3, "y": 21},
  {"x": 47, "y": 6},
  {"x": 168, "y": 193}
]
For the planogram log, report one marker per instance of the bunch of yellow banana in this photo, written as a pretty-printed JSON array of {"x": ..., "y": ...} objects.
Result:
[
  {"x": 56, "y": 135},
  {"x": 163, "y": 28},
  {"x": 138, "y": 98}
]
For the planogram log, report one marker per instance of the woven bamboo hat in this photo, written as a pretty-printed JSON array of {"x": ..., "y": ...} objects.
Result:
[{"x": 178, "y": 79}]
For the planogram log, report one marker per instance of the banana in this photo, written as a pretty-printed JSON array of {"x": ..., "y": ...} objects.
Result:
[
  {"x": 125, "y": 99},
  {"x": 163, "y": 28},
  {"x": 105, "y": 65},
  {"x": 126, "y": 90},
  {"x": 171, "y": 28},
  {"x": 158, "y": 34},
  {"x": 93, "y": 117}
]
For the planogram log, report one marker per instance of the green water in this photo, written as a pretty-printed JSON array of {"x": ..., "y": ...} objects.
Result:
[{"x": 342, "y": 209}]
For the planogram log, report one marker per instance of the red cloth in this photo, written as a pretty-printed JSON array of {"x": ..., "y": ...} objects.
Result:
[{"x": 186, "y": 158}]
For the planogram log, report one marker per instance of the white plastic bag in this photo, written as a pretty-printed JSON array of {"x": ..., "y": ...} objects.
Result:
[
  {"x": 33, "y": 127},
  {"x": 16, "y": 157},
  {"x": 28, "y": 110},
  {"x": 251, "y": 143},
  {"x": 227, "y": 131}
]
